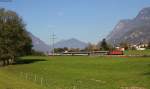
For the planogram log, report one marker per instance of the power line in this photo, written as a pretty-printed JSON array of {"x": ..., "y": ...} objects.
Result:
[{"x": 52, "y": 37}]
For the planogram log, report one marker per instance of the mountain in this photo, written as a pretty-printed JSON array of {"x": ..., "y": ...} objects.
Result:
[
  {"x": 134, "y": 30},
  {"x": 71, "y": 43},
  {"x": 38, "y": 44}
]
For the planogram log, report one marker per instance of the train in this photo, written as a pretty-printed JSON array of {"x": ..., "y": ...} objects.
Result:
[
  {"x": 115, "y": 52},
  {"x": 111, "y": 52}
]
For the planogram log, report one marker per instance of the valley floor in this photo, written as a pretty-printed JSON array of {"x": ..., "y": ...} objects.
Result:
[{"x": 77, "y": 72}]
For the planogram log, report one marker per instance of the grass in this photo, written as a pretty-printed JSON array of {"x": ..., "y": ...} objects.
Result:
[
  {"x": 137, "y": 52},
  {"x": 77, "y": 72}
]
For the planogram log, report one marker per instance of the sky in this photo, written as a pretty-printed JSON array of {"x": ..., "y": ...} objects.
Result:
[{"x": 86, "y": 20}]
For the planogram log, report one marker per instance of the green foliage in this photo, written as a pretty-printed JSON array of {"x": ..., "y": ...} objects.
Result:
[
  {"x": 59, "y": 50},
  {"x": 36, "y": 53},
  {"x": 148, "y": 47},
  {"x": 104, "y": 46},
  {"x": 14, "y": 40}
]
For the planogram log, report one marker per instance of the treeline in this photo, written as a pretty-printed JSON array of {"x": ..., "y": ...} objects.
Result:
[
  {"x": 14, "y": 39},
  {"x": 101, "y": 46}
]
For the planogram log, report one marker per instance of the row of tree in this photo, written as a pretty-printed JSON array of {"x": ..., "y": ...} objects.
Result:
[
  {"x": 103, "y": 46},
  {"x": 14, "y": 39}
]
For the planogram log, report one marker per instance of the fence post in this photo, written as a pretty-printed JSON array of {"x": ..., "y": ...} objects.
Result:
[
  {"x": 41, "y": 81},
  {"x": 26, "y": 76},
  {"x": 35, "y": 78}
]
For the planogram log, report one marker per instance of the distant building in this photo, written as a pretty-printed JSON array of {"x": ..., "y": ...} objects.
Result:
[
  {"x": 120, "y": 49},
  {"x": 140, "y": 47}
]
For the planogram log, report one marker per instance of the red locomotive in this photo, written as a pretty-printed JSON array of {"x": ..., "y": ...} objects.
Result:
[{"x": 115, "y": 52}]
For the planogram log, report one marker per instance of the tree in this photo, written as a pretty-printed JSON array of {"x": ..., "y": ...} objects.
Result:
[
  {"x": 148, "y": 47},
  {"x": 74, "y": 50},
  {"x": 37, "y": 53},
  {"x": 124, "y": 45},
  {"x": 66, "y": 49},
  {"x": 14, "y": 39},
  {"x": 58, "y": 50},
  {"x": 104, "y": 46},
  {"x": 91, "y": 47}
]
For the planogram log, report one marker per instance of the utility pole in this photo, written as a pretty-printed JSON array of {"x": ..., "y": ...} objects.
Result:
[
  {"x": 114, "y": 43},
  {"x": 53, "y": 37}
]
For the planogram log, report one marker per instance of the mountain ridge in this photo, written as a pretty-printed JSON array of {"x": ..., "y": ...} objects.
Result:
[
  {"x": 134, "y": 31},
  {"x": 71, "y": 43},
  {"x": 39, "y": 45}
]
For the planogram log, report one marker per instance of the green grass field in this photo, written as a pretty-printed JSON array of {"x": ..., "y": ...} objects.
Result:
[
  {"x": 137, "y": 52},
  {"x": 77, "y": 72}
]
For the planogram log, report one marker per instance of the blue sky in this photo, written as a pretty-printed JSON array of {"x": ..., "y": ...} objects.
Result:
[{"x": 86, "y": 20}]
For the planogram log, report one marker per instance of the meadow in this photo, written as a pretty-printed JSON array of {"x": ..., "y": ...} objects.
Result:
[
  {"x": 77, "y": 72},
  {"x": 137, "y": 52}
]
